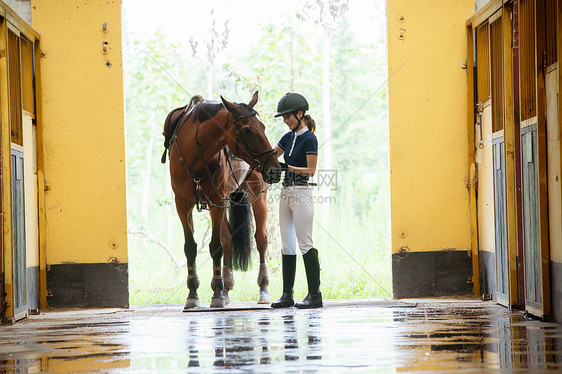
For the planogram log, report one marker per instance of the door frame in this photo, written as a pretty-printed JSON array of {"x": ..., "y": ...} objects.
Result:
[
  {"x": 540, "y": 47},
  {"x": 10, "y": 20},
  {"x": 488, "y": 13}
]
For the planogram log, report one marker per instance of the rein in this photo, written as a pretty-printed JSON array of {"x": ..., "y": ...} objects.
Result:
[
  {"x": 210, "y": 175},
  {"x": 200, "y": 194}
]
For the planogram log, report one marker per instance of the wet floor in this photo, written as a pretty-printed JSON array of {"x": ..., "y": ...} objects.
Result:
[{"x": 368, "y": 336}]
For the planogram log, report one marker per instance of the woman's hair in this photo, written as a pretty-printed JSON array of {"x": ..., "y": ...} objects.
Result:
[{"x": 309, "y": 122}]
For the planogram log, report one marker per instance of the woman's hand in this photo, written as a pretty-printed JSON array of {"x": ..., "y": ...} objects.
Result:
[
  {"x": 309, "y": 170},
  {"x": 284, "y": 166}
]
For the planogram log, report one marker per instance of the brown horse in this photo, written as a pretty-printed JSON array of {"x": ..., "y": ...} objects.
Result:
[{"x": 196, "y": 136}]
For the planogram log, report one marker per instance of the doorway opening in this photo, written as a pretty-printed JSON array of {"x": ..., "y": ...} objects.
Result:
[{"x": 337, "y": 59}]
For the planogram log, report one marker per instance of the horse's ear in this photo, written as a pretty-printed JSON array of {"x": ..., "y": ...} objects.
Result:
[
  {"x": 254, "y": 100},
  {"x": 228, "y": 105}
]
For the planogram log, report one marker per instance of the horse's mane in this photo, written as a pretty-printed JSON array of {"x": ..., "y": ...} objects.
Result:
[{"x": 205, "y": 110}]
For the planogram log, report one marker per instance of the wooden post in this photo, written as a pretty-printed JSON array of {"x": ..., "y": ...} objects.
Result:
[
  {"x": 6, "y": 178},
  {"x": 540, "y": 48},
  {"x": 472, "y": 163},
  {"x": 40, "y": 177},
  {"x": 509, "y": 139}
]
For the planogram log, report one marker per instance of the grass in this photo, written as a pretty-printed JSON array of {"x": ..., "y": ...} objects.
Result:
[
  {"x": 354, "y": 258},
  {"x": 154, "y": 278}
]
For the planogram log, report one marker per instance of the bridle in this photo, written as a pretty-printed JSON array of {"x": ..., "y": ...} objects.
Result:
[{"x": 255, "y": 163}]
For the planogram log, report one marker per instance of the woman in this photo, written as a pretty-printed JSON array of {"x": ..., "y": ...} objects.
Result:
[{"x": 296, "y": 208}]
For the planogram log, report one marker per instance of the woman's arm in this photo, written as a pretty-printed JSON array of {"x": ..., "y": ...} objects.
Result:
[
  {"x": 310, "y": 169},
  {"x": 278, "y": 151}
]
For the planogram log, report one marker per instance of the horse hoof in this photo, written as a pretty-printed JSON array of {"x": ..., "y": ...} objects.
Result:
[
  {"x": 218, "y": 302},
  {"x": 224, "y": 295},
  {"x": 264, "y": 298},
  {"x": 191, "y": 303}
]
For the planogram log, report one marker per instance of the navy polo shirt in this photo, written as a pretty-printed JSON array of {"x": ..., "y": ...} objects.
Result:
[{"x": 296, "y": 145}]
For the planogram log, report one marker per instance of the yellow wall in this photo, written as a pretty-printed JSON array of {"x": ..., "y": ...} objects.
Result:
[
  {"x": 428, "y": 124},
  {"x": 83, "y": 119}
]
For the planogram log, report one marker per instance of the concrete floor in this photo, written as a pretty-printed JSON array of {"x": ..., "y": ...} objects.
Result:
[{"x": 363, "y": 336}]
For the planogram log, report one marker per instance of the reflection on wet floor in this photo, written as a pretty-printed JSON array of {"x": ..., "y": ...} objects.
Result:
[{"x": 469, "y": 336}]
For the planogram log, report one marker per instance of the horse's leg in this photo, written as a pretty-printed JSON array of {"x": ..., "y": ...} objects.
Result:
[
  {"x": 190, "y": 249},
  {"x": 226, "y": 241},
  {"x": 259, "y": 206},
  {"x": 218, "y": 300}
]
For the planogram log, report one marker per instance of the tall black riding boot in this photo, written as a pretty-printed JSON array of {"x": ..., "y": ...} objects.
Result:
[
  {"x": 312, "y": 267},
  {"x": 289, "y": 265}
]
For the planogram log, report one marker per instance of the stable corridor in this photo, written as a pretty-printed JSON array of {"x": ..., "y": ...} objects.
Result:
[{"x": 362, "y": 336}]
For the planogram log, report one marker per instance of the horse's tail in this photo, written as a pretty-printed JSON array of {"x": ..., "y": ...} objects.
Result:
[
  {"x": 171, "y": 125},
  {"x": 239, "y": 219}
]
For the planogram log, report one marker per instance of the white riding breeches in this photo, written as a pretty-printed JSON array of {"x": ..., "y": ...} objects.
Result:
[{"x": 296, "y": 213}]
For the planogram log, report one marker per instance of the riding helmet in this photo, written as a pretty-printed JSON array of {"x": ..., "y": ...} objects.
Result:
[{"x": 290, "y": 103}]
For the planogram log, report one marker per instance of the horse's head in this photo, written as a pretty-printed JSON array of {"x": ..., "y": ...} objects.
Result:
[{"x": 246, "y": 139}]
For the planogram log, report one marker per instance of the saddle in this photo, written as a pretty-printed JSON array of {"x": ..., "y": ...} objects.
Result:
[{"x": 171, "y": 127}]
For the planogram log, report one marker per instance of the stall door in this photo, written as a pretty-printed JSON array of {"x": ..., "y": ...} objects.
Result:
[
  {"x": 531, "y": 219},
  {"x": 502, "y": 270},
  {"x": 536, "y": 71},
  {"x": 498, "y": 154},
  {"x": 18, "y": 216}
]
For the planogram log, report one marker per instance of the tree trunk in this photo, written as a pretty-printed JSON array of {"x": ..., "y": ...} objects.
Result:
[
  {"x": 169, "y": 211},
  {"x": 145, "y": 195},
  {"x": 327, "y": 127},
  {"x": 292, "y": 55},
  {"x": 210, "y": 80}
]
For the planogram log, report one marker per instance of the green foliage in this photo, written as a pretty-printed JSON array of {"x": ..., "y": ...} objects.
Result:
[{"x": 160, "y": 76}]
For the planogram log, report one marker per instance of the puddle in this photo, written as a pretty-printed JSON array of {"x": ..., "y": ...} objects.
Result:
[{"x": 361, "y": 339}]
